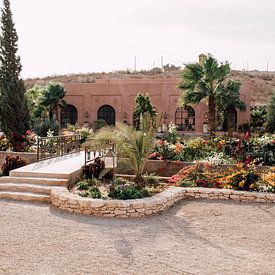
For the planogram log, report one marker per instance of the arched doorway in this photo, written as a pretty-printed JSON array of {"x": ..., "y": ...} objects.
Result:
[
  {"x": 231, "y": 120},
  {"x": 107, "y": 113},
  {"x": 69, "y": 115},
  {"x": 185, "y": 118}
]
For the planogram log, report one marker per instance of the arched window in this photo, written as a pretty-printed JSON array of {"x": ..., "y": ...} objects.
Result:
[
  {"x": 68, "y": 115},
  {"x": 231, "y": 121},
  {"x": 185, "y": 118},
  {"x": 107, "y": 113}
]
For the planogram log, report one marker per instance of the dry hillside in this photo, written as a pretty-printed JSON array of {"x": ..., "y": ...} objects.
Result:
[{"x": 262, "y": 83}]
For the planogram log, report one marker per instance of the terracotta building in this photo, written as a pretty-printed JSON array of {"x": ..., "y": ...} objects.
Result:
[{"x": 114, "y": 100}]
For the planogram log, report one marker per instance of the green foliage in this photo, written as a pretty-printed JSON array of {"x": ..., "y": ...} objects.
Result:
[
  {"x": 206, "y": 80},
  {"x": 271, "y": 114},
  {"x": 127, "y": 192},
  {"x": 98, "y": 124},
  {"x": 14, "y": 113},
  {"x": 172, "y": 135},
  {"x": 85, "y": 184},
  {"x": 92, "y": 192},
  {"x": 45, "y": 99},
  {"x": 45, "y": 124},
  {"x": 258, "y": 116},
  {"x": 151, "y": 180},
  {"x": 133, "y": 145},
  {"x": 12, "y": 163},
  {"x": 143, "y": 105}
]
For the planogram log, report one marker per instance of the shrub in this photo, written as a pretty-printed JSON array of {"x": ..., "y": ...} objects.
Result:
[
  {"x": 152, "y": 180},
  {"x": 87, "y": 183},
  {"x": 127, "y": 192},
  {"x": 42, "y": 127},
  {"x": 93, "y": 192},
  {"x": 271, "y": 114},
  {"x": 12, "y": 163}
]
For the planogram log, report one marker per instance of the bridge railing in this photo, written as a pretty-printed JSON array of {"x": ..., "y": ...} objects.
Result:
[{"x": 50, "y": 147}]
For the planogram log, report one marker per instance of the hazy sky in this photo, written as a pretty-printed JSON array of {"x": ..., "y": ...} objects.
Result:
[{"x": 71, "y": 36}]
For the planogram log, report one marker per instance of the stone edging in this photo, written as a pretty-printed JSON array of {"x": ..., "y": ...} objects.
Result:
[{"x": 64, "y": 200}]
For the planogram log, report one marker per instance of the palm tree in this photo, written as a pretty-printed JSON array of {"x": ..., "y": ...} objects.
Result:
[
  {"x": 206, "y": 81},
  {"x": 53, "y": 95},
  {"x": 134, "y": 146}
]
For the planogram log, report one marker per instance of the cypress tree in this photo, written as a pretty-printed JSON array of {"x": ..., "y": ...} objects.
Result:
[{"x": 14, "y": 113}]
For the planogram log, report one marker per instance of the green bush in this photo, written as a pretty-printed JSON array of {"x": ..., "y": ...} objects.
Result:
[
  {"x": 92, "y": 192},
  {"x": 271, "y": 114},
  {"x": 151, "y": 180},
  {"x": 42, "y": 127},
  {"x": 87, "y": 183},
  {"x": 12, "y": 163},
  {"x": 127, "y": 192}
]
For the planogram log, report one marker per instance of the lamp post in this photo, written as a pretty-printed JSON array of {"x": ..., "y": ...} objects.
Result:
[{"x": 110, "y": 160}]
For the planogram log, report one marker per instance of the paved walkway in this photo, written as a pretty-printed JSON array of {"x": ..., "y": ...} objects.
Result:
[
  {"x": 59, "y": 165},
  {"x": 194, "y": 237}
]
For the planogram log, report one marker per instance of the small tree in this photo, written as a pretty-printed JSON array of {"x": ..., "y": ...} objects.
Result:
[
  {"x": 133, "y": 145},
  {"x": 45, "y": 100},
  {"x": 14, "y": 113},
  {"x": 143, "y": 105},
  {"x": 271, "y": 114}
]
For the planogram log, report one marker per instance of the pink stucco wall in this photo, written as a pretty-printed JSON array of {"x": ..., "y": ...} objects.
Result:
[{"x": 121, "y": 94}]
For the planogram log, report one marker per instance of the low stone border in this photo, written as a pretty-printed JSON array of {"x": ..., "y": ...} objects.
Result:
[{"x": 67, "y": 201}]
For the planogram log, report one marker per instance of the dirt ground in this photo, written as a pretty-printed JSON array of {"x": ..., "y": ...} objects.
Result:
[{"x": 193, "y": 237}]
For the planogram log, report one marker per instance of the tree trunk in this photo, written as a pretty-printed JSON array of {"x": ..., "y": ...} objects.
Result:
[{"x": 212, "y": 115}]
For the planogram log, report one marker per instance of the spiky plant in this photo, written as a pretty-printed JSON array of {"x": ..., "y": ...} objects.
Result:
[{"x": 135, "y": 146}]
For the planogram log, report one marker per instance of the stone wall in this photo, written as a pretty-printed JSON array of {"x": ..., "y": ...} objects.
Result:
[
  {"x": 64, "y": 200},
  {"x": 29, "y": 157}
]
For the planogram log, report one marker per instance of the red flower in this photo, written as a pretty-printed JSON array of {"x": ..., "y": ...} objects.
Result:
[
  {"x": 247, "y": 136},
  {"x": 29, "y": 132},
  {"x": 273, "y": 141}
]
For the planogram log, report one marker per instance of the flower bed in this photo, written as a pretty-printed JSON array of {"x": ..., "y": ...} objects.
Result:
[
  {"x": 240, "y": 177},
  {"x": 220, "y": 150},
  {"x": 67, "y": 201}
]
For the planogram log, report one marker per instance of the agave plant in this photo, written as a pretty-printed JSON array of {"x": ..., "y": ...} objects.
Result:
[{"x": 135, "y": 146}]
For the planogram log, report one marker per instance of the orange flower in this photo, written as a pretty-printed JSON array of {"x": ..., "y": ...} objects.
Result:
[{"x": 178, "y": 148}]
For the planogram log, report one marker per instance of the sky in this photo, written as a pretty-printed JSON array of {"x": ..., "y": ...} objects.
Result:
[{"x": 79, "y": 36}]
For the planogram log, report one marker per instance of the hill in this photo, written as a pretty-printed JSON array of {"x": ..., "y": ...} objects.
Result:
[{"x": 262, "y": 83}]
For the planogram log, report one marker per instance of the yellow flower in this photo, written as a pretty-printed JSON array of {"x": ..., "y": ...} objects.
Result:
[
  {"x": 241, "y": 183},
  {"x": 251, "y": 186}
]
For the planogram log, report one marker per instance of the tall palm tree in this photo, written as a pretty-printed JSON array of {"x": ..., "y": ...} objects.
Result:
[{"x": 205, "y": 81}]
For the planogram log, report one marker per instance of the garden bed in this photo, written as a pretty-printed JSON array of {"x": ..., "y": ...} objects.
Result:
[
  {"x": 68, "y": 201},
  {"x": 168, "y": 168}
]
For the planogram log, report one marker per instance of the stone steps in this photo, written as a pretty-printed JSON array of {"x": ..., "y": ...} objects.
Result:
[
  {"x": 32, "y": 174},
  {"x": 29, "y": 188},
  {"x": 23, "y": 187},
  {"x": 25, "y": 196},
  {"x": 32, "y": 180}
]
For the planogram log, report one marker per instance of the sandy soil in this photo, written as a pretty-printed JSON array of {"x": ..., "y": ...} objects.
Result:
[{"x": 193, "y": 237}]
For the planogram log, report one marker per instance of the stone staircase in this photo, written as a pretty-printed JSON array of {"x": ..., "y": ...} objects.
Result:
[
  {"x": 31, "y": 188},
  {"x": 35, "y": 181}
]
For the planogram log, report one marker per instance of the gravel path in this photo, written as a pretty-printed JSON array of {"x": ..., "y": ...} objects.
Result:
[{"x": 193, "y": 237}]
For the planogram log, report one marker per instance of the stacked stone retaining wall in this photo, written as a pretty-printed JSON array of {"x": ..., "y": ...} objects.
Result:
[{"x": 67, "y": 201}]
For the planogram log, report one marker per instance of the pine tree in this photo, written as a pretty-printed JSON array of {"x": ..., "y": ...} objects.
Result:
[{"x": 14, "y": 113}]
